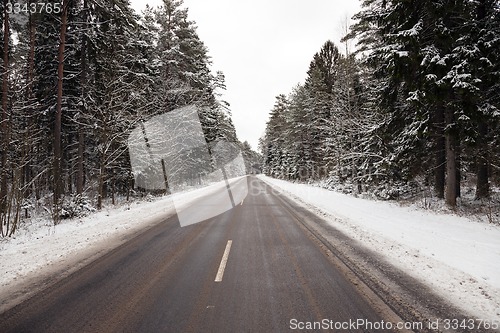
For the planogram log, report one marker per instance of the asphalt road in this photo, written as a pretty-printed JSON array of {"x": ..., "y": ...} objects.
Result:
[{"x": 276, "y": 277}]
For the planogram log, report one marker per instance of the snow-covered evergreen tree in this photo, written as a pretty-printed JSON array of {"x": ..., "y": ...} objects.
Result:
[
  {"x": 112, "y": 70},
  {"x": 427, "y": 62}
]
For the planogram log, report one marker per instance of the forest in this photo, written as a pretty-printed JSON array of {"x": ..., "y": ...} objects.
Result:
[
  {"x": 415, "y": 105},
  {"x": 76, "y": 80}
]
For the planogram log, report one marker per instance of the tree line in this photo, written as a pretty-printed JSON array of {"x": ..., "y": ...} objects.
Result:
[
  {"x": 419, "y": 100},
  {"x": 76, "y": 82}
]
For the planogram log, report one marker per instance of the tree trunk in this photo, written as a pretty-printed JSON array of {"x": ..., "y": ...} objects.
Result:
[
  {"x": 165, "y": 177},
  {"x": 57, "y": 125},
  {"x": 81, "y": 138},
  {"x": 81, "y": 158},
  {"x": 482, "y": 184},
  {"x": 482, "y": 158},
  {"x": 451, "y": 160},
  {"x": 113, "y": 189},
  {"x": 440, "y": 167},
  {"x": 100, "y": 190},
  {"x": 27, "y": 168},
  {"x": 458, "y": 166},
  {"x": 31, "y": 56},
  {"x": 5, "y": 95}
]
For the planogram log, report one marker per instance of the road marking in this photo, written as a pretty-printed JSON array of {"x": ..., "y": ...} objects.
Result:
[{"x": 223, "y": 262}]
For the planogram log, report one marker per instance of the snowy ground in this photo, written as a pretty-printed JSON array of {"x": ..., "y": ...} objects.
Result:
[
  {"x": 39, "y": 249},
  {"x": 458, "y": 257}
]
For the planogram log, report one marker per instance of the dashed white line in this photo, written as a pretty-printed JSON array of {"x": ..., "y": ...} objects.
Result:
[{"x": 223, "y": 262}]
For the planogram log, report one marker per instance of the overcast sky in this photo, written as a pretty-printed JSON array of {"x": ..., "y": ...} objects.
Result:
[{"x": 264, "y": 48}]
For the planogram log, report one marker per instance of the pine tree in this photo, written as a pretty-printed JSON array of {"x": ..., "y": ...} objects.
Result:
[
  {"x": 76, "y": 83},
  {"x": 323, "y": 76},
  {"x": 185, "y": 74},
  {"x": 113, "y": 101},
  {"x": 57, "y": 173},
  {"x": 252, "y": 158},
  {"x": 184, "y": 61},
  {"x": 274, "y": 142},
  {"x": 480, "y": 49},
  {"x": 414, "y": 46},
  {"x": 4, "y": 139}
]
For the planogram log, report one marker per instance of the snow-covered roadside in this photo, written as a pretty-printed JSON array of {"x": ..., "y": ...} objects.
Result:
[
  {"x": 457, "y": 257},
  {"x": 39, "y": 250}
]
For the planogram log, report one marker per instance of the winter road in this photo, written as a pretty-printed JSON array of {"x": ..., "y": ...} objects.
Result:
[{"x": 254, "y": 268}]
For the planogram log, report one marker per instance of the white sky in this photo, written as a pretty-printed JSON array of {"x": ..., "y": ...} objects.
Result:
[{"x": 263, "y": 47}]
